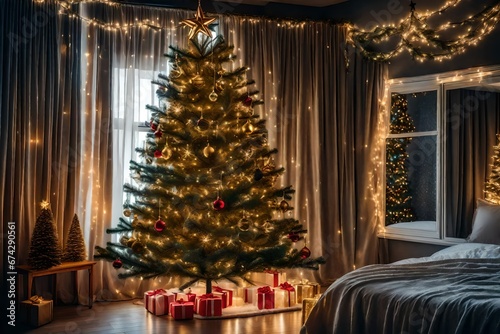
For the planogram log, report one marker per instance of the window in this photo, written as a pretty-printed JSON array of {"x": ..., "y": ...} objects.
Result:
[
  {"x": 132, "y": 91},
  {"x": 411, "y": 162},
  {"x": 438, "y": 149}
]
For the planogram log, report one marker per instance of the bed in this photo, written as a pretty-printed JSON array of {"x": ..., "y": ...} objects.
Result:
[{"x": 456, "y": 290}]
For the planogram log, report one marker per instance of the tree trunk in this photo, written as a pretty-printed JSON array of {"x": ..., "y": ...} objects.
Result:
[{"x": 209, "y": 286}]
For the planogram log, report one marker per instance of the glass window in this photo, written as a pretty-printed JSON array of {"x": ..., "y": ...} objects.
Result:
[{"x": 411, "y": 161}]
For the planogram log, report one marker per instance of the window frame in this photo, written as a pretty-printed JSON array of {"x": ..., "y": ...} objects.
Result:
[{"x": 439, "y": 82}]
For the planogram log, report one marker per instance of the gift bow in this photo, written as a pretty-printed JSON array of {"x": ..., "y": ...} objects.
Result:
[
  {"x": 287, "y": 286},
  {"x": 264, "y": 289},
  {"x": 36, "y": 299},
  {"x": 207, "y": 296},
  {"x": 156, "y": 292},
  {"x": 180, "y": 301}
]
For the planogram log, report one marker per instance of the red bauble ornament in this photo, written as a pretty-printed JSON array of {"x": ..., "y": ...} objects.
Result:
[
  {"x": 219, "y": 204},
  {"x": 117, "y": 263},
  {"x": 154, "y": 126},
  {"x": 247, "y": 101},
  {"x": 293, "y": 236},
  {"x": 160, "y": 225},
  {"x": 305, "y": 253},
  {"x": 158, "y": 134},
  {"x": 158, "y": 154}
]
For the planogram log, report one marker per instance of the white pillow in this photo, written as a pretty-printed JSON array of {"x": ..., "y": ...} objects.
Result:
[{"x": 486, "y": 223}]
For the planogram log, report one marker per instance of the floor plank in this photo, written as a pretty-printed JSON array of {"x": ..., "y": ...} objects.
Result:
[{"x": 130, "y": 318}]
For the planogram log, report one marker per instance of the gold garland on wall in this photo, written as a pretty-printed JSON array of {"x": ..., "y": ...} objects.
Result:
[{"x": 422, "y": 41}]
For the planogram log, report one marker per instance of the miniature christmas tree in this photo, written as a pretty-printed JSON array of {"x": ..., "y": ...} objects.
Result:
[
  {"x": 205, "y": 203},
  {"x": 398, "y": 199},
  {"x": 45, "y": 251},
  {"x": 492, "y": 186},
  {"x": 75, "y": 245}
]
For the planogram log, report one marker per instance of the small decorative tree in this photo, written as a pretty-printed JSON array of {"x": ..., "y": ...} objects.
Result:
[
  {"x": 75, "y": 245},
  {"x": 492, "y": 185},
  {"x": 45, "y": 251}
]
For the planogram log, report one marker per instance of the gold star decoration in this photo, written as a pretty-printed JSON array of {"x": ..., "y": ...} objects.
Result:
[
  {"x": 199, "y": 23},
  {"x": 44, "y": 204}
]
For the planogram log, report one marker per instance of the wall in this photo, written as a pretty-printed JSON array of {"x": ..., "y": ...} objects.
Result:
[
  {"x": 367, "y": 14},
  {"x": 395, "y": 250},
  {"x": 271, "y": 10}
]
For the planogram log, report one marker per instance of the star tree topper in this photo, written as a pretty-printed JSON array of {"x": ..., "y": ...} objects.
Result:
[{"x": 199, "y": 23}]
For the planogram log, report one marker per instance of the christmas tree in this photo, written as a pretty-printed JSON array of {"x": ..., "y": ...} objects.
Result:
[
  {"x": 492, "y": 186},
  {"x": 45, "y": 251},
  {"x": 206, "y": 207},
  {"x": 75, "y": 245},
  {"x": 398, "y": 200}
]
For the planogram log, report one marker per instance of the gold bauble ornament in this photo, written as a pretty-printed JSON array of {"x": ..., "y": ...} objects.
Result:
[
  {"x": 203, "y": 124},
  {"x": 218, "y": 87},
  {"x": 166, "y": 152},
  {"x": 208, "y": 151},
  {"x": 213, "y": 96},
  {"x": 244, "y": 224},
  {"x": 127, "y": 212},
  {"x": 247, "y": 128}
]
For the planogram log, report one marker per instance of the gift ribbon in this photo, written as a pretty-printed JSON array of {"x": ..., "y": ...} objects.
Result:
[
  {"x": 288, "y": 287},
  {"x": 211, "y": 298},
  {"x": 36, "y": 299},
  {"x": 275, "y": 274},
  {"x": 155, "y": 293},
  {"x": 264, "y": 289}
]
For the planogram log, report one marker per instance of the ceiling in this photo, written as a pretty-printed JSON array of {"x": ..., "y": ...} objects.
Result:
[{"x": 312, "y": 3}]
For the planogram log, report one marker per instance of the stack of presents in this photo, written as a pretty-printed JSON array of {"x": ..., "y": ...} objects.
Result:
[{"x": 271, "y": 291}]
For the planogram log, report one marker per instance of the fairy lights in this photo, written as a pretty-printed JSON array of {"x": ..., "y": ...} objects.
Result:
[
  {"x": 422, "y": 41},
  {"x": 67, "y": 7},
  {"x": 492, "y": 185}
]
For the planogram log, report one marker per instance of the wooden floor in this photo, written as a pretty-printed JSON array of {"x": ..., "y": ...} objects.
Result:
[{"x": 127, "y": 317}]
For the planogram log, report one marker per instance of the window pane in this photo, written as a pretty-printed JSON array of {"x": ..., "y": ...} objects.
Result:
[
  {"x": 415, "y": 112},
  {"x": 411, "y": 179}
]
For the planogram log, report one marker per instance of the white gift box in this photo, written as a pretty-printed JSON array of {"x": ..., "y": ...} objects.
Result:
[
  {"x": 269, "y": 278},
  {"x": 284, "y": 298},
  {"x": 158, "y": 303}
]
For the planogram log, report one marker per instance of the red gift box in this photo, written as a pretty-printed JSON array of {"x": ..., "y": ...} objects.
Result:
[
  {"x": 225, "y": 294},
  {"x": 265, "y": 298},
  {"x": 181, "y": 310},
  {"x": 208, "y": 305},
  {"x": 158, "y": 301}
]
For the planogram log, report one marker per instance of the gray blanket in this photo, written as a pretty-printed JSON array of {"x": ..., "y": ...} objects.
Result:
[{"x": 449, "y": 296}]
